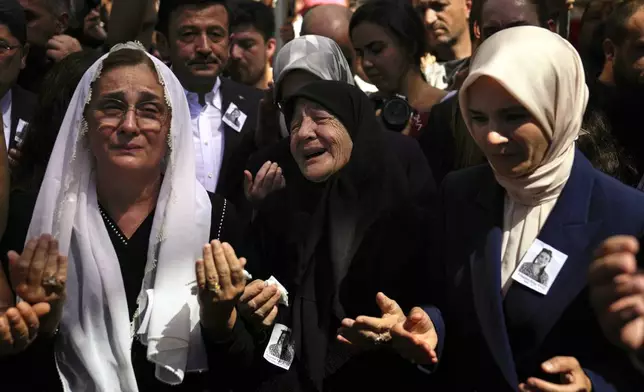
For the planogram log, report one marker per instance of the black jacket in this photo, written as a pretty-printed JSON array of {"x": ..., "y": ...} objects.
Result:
[
  {"x": 493, "y": 343},
  {"x": 231, "y": 174},
  {"x": 23, "y": 104},
  {"x": 334, "y": 246}
]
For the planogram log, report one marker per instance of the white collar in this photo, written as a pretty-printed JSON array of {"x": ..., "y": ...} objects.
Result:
[
  {"x": 5, "y": 102},
  {"x": 211, "y": 97}
]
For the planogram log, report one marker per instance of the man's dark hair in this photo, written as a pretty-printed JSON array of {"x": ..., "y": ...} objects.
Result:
[
  {"x": 255, "y": 14},
  {"x": 13, "y": 16},
  {"x": 399, "y": 18},
  {"x": 42, "y": 131},
  {"x": 167, "y": 7},
  {"x": 616, "y": 23}
]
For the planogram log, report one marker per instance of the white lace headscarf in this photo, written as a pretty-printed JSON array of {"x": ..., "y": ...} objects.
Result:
[{"x": 93, "y": 348}]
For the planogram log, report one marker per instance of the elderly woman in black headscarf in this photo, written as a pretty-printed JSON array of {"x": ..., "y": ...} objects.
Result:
[{"x": 366, "y": 232}]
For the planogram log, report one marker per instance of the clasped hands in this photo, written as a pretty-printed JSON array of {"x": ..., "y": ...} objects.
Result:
[
  {"x": 38, "y": 277},
  {"x": 412, "y": 336}
]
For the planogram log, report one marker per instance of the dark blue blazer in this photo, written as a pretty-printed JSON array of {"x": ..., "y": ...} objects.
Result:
[{"x": 494, "y": 343}]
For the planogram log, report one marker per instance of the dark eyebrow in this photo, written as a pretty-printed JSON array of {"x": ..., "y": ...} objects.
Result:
[{"x": 120, "y": 95}]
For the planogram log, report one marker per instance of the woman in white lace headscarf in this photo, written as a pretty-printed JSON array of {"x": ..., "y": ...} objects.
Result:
[{"x": 121, "y": 197}]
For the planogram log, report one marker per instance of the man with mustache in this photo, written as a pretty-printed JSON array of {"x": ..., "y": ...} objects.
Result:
[
  {"x": 197, "y": 33},
  {"x": 617, "y": 95}
]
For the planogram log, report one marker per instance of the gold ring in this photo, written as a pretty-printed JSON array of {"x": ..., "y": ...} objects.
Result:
[
  {"x": 53, "y": 283},
  {"x": 216, "y": 288}
]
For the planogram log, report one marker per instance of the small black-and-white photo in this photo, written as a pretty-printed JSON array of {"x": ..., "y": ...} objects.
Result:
[
  {"x": 537, "y": 269},
  {"x": 233, "y": 116},
  {"x": 283, "y": 349}
]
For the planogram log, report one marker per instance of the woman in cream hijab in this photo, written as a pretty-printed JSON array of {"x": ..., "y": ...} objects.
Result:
[{"x": 523, "y": 102}]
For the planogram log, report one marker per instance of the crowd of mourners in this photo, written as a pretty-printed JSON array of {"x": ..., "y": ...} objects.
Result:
[{"x": 381, "y": 195}]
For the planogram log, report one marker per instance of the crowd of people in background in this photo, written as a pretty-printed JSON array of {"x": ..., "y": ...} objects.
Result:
[{"x": 377, "y": 195}]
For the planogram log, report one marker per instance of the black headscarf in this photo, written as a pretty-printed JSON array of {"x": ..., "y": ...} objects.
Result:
[
  {"x": 371, "y": 183},
  {"x": 12, "y": 15}
]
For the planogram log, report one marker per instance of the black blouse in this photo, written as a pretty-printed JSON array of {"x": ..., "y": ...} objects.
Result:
[{"x": 132, "y": 255}]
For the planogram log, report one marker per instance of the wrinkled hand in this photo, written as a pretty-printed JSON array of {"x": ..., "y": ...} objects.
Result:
[
  {"x": 617, "y": 292},
  {"x": 573, "y": 378},
  {"x": 267, "y": 130},
  {"x": 269, "y": 179},
  {"x": 18, "y": 324},
  {"x": 369, "y": 332},
  {"x": 38, "y": 276},
  {"x": 221, "y": 282},
  {"x": 287, "y": 32},
  {"x": 61, "y": 46},
  {"x": 259, "y": 303},
  {"x": 415, "y": 339}
]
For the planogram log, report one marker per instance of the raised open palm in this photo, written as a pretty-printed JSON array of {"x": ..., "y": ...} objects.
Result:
[
  {"x": 38, "y": 276},
  {"x": 416, "y": 339},
  {"x": 19, "y": 324}
]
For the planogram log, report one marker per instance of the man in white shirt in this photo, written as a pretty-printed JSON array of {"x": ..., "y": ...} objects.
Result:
[
  {"x": 16, "y": 104},
  {"x": 198, "y": 38}
]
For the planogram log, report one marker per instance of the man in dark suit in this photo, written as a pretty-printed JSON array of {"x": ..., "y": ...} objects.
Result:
[
  {"x": 198, "y": 38},
  {"x": 17, "y": 104}
]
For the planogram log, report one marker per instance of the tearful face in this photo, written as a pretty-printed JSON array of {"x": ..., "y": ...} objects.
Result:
[
  {"x": 320, "y": 144},
  {"x": 128, "y": 119}
]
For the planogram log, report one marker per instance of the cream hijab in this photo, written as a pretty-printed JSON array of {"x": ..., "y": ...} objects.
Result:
[
  {"x": 93, "y": 347},
  {"x": 545, "y": 74}
]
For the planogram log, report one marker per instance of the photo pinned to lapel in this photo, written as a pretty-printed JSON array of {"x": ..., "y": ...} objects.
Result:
[
  {"x": 234, "y": 117},
  {"x": 20, "y": 130},
  {"x": 280, "y": 350},
  {"x": 539, "y": 267}
]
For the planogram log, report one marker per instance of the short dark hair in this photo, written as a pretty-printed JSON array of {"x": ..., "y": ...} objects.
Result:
[
  {"x": 401, "y": 19},
  {"x": 616, "y": 23},
  {"x": 42, "y": 131},
  {"x": 13, "y": 16},
  {"x": 167, "y": 7},
  {"x": 255, "y": 14}
]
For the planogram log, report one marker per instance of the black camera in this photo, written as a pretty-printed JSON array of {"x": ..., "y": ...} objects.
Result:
[{"x": 395, "y": 111}]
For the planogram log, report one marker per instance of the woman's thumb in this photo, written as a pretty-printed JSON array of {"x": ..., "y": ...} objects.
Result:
[
  {"x": 387, "y": 305},
  {"x": 248, "y": 180}
]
